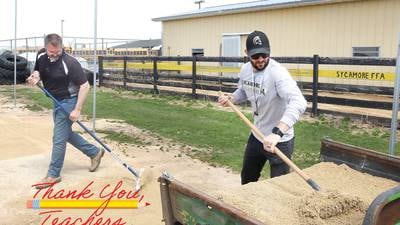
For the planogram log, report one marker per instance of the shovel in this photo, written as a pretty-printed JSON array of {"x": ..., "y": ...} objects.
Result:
[{"x": 277, "y": 151}]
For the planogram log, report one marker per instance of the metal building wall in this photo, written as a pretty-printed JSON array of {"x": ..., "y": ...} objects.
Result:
[{"x": 328, "y": 30}]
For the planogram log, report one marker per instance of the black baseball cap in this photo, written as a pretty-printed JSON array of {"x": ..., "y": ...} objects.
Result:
[{"x": 256, "y": 43}]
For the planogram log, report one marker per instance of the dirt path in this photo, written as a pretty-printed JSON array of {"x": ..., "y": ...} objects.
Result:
[{"x": 25, "y": 138}]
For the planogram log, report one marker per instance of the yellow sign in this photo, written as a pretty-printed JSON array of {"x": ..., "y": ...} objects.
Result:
[{"x": 345, "y": 74}]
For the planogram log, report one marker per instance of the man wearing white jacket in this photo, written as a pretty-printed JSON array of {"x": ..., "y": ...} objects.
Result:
[{"x": 277, "y": 104}]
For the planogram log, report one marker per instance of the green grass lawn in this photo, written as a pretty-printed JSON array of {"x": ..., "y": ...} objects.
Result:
[{"x": 202, "y": 125}]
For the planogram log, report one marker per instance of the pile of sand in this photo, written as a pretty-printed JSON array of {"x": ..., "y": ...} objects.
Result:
[{"x": 344, "y": 198}]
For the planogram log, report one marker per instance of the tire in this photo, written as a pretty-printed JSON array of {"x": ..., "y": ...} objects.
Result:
[
  {"x": 9, "y": 75},
  {"x": 7, "y": 61},
  {"x": 22, "y": 75},
  {"x": 6, "y": 81},
  {"x": 5, "y": 74}
]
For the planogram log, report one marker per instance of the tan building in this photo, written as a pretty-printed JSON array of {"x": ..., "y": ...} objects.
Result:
[{"x": 332, "y": 28}]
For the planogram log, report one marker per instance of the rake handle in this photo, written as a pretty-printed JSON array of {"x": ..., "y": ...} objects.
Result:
[{"x": 277, "y": 150}]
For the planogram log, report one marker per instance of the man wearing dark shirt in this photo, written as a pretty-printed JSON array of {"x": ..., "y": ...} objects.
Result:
[{"x": 63, "y": 77}]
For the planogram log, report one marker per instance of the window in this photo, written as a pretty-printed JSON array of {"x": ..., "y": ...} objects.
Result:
[{"x": 365, "y": 51}]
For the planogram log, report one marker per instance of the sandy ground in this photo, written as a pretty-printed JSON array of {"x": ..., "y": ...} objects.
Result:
[{"x": 25, "y": 138}]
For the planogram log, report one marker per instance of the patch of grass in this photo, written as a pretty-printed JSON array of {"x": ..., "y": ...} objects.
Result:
[
  {"x": 344, "y": 123},
  {"x": 189, "y": 104},
  {"x": 209, "y": 105},
  {"x": 36, "y": 95},
  {"x": 120, "y": 137},
  {"x": 34, "y": 107}
]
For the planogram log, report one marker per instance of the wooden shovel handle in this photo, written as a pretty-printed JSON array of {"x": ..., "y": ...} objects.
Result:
[{"x": 277, "y": 151}]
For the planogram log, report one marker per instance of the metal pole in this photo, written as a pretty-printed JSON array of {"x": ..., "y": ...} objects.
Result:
[
  {"x": 75, "y": 46},
  {"x": 15, "y": 54},
  {"x": 26, "y": 48},
  {"x": 36, "y": 48},
  {"x": 395, "y": 108},
  {"x": 62, "y": 29},
  {"x": 94, "y": 65}
]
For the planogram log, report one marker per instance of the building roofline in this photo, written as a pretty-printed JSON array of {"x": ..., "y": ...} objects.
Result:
[
  {"x": 147, "y": 43},
  {"x": 245, "y": 7}
]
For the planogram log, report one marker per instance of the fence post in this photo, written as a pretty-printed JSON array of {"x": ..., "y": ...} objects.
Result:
[
  {"x": 194, "y": 64},
  {"x": 155, "y": 76},
  {"x": 100, "y": 71},
  {"x": 125, "y": 75},
  {"x": 314, "y": 110},
  {"x": 179, "y": 63}
]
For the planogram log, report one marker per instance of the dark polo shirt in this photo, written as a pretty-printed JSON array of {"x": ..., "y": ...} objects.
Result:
[{"x": 61, "y": 78}]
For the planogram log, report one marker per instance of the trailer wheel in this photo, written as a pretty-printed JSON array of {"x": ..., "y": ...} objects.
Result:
[{"x": 384, "y": 209}]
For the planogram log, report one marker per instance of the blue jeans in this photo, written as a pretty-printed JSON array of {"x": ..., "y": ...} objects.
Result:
[{"x": 62, "y": 133}]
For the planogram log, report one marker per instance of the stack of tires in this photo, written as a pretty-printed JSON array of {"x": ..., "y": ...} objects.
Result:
[{"x": 7, "y": 68}]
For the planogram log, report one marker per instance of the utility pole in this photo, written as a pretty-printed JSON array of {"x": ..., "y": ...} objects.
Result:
[
  {"x": 94, "y": 65},
  {"x": 395, "y": 107},
  {"x": 199, "y": 2},
  {"x": 15, "y": 53}
]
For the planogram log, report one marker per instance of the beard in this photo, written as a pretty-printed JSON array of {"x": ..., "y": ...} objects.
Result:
[
  {"x": 53, "y": 59},
  {"x": 257, "y": 67}
]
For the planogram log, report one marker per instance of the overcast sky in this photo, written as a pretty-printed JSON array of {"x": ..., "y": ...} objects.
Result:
[{"x": 116, "y": 18}]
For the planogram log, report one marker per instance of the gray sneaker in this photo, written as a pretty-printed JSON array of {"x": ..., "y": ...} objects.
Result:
[{"x": 95, "y": 161}]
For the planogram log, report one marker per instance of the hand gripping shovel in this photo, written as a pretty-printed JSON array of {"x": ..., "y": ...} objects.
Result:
[
  {"x": 139, "y": 174},
  {"x": 277, "y": 151}
]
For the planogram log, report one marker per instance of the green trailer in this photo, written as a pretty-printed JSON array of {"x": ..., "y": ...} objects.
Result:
[{"x": 185, "y": 205}]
